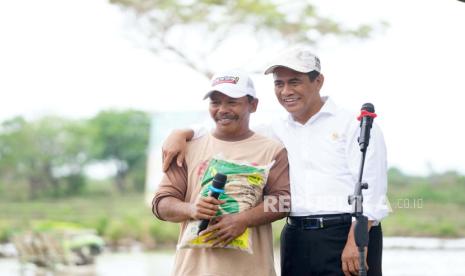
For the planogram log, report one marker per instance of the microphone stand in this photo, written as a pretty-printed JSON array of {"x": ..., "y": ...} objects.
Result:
[{"x": 361, "y": 226}]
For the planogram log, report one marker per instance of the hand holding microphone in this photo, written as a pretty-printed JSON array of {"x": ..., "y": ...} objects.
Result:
[{"x": 206, "y": 207}]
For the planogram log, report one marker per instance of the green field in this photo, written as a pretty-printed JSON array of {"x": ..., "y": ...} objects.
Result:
[
  {"x": 121, "y": 220},
  {"x": 420, "y": 207}
]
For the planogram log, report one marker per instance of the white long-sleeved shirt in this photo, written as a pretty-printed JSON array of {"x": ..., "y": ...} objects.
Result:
[{"x": 324, "y": 162}]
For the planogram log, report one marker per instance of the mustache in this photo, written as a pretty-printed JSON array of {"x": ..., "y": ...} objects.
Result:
[{"x": 227, "y": 116}]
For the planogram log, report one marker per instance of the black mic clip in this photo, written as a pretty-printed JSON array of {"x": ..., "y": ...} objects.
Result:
[{"x": 356, "y": 199}]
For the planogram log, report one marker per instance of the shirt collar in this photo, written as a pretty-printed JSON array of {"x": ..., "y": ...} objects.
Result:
[{"x": 329, "y": 108}]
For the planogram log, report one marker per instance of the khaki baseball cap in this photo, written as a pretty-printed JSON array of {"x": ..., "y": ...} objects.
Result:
[{"x": 299, "y": 58}]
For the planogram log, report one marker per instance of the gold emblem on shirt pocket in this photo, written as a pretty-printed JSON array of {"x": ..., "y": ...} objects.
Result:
[{"x": 338, "y": 142}]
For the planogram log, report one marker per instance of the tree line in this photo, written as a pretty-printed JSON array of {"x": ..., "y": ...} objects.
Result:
[{"x": 48, "y": 156}]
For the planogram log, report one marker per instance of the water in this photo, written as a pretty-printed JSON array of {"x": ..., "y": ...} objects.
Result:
[
  {"x": 401, "y": 256},
  {"x": 423, "y": 262}
]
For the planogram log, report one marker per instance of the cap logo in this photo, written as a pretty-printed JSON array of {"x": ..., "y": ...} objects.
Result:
[
  {"x": 317, "y": 63},
  {"x": 225, "y": 79},
  {"x": 308, "y": 57}
]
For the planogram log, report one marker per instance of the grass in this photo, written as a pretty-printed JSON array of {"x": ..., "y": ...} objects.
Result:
[
  {"x": 118, "y": 219},
  {"x": 429, "y": 206},
  {"x": 433, "y": 219},
  {"x": 420, "y": 207}
]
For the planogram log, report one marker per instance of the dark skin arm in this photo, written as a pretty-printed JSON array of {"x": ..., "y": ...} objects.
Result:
[
  {"x": 350, "y": 255},
  {"x": 175, "y": 146},
  {"x": 175, "y": 210},
  {"x": 226, "y": 228}
]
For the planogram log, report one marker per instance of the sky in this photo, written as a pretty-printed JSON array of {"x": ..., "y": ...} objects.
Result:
[{"x": 76, "y": 57}]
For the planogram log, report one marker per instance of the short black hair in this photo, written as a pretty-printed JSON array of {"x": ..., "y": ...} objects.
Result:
[
  {"x": 312, "y": 75},
  {"x": 250, "y": 98}
]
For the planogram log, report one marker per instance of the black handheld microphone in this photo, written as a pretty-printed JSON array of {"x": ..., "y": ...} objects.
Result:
[
  {"x": 215, "y": 190},
  {"x": 366, "y": 122}
]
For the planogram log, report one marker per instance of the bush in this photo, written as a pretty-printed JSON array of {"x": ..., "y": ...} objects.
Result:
[{"x": 164, "y": 232}]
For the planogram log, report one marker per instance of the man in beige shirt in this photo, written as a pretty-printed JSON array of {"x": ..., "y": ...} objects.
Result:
[{"x": 232, "y": 100}]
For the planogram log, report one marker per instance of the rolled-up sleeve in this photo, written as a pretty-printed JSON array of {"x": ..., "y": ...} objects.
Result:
[{"x": 173, "y": 184}]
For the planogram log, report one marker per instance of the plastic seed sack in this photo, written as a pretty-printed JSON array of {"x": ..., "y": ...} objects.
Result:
[{"x": 243, "y": 190}]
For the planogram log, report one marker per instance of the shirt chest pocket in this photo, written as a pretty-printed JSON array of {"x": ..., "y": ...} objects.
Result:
[{"x": 326, "y": 154}]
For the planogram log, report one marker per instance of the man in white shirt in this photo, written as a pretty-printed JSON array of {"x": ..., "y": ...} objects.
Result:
[{"x": 324, "y": 159}]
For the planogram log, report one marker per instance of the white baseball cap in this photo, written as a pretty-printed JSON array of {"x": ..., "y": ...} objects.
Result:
[
  {"x": 299, "y": 58},
  {"x": 233, "y": 83}
]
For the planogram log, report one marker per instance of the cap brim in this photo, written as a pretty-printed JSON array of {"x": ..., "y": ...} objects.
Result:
[
  {"x": 271, "y": 69},
  {"x": 292, "y": 67},
  {"x": 228, "y": 92}
]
